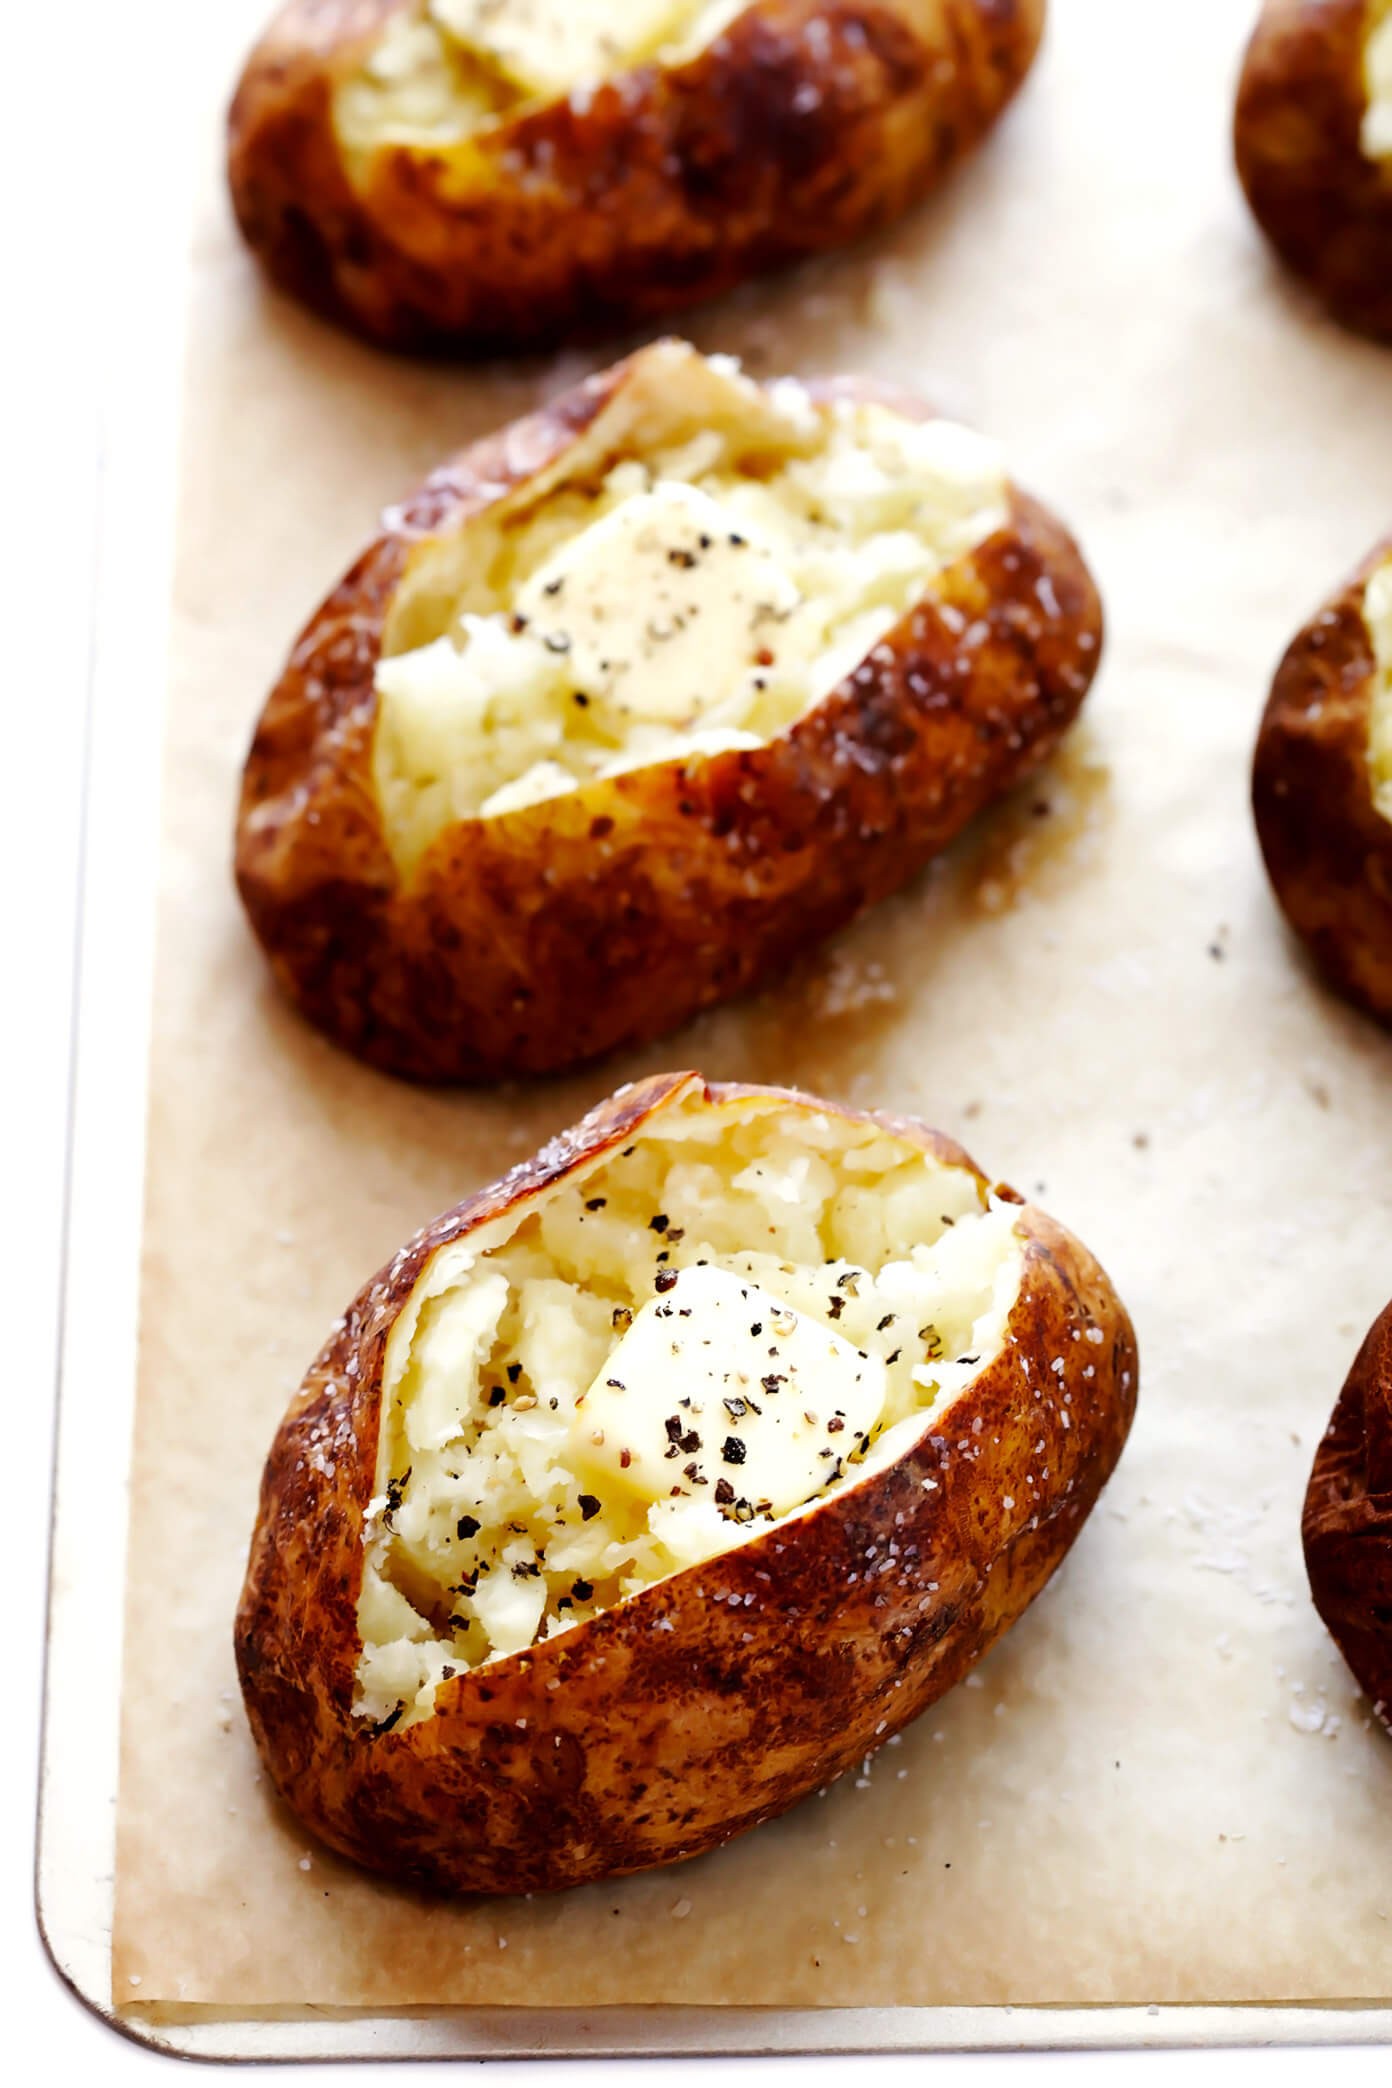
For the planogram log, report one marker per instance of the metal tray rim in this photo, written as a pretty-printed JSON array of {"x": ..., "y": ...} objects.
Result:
[{"x": 113, "y": 972}]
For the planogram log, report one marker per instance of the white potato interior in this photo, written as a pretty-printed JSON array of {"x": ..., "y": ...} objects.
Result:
[
  {"x": 681, "y": 1345},
  {"x": 706, "y": 565},
  {"x": 1377, "y": 81},
  {"x": 444, "y": 69},
  {"x": 1377, "y": 614}
]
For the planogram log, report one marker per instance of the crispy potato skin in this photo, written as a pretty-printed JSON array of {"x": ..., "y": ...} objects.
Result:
[
  {"x": 1328, "y": 849},
  {"x": 808, "y": 123},
  {"x": 1347, "y": 1526},
  {"x": 657, "y": 1732},
  {"x": 607, "y": 917},
  {"x": 1324, "y": 206}
]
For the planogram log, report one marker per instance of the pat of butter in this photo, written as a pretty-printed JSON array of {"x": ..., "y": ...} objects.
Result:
[
  {"x": 545, "y": 47},
  {"x": 662, "y": 607},
  {"x": 720, "y": 1392}
]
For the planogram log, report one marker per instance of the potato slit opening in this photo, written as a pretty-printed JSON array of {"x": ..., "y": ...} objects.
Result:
[
  {"x": 1376, "y": 133},
  {"x": 707, "y": 563},
  {"x": 679, "y": 1347},
  {"x": 1377, "y": 615},
  {"x": 443, "y": 70}
]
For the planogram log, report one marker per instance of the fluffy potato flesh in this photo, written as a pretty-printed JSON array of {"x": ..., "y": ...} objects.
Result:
[
  {"x": 444, "y": 69},
  {"x": 683, "y": 1344},
  {"x": 1377, "y": 81},
  {"x": 1377, "y": 614},
  {"x": 709, "y": 567}
]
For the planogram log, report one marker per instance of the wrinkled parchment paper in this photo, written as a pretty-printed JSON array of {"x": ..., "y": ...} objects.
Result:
[{"x": 1163, "y": 1787}]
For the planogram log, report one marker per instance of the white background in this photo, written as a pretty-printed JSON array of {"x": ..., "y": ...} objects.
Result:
[{"x": 91, "y": 151}]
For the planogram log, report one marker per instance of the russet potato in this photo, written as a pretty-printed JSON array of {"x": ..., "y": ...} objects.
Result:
[
  {"x": 488, "y": 174},
  {"x": 1348, "y": 1520},
  {"x": 1313, "y": 138},
  {"x": 1322, "y": 786},
  {"x": 632, "y": 703},
  {"x": 657, "y": 1484}
]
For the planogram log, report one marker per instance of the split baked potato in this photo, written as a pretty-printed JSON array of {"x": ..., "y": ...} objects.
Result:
[
  {"x": 636, "y": 700},
  {"x": 1322, "y": 786},
  {"x": 1348, "y": 1521},
  {"x": 1313, "y": 136},
  {"x": 660, "y": 1482},
  {"x": 487, "y": 174}
]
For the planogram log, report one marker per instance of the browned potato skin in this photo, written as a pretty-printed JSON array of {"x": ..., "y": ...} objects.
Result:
[
  {"x": 1328, "y": 849},
  {"x": 660, "y": 1744},
  {"x": 1347, "y": 1525},
  {"x": 535, "y": 941},
  {"x": 1324, "y": 206},
  {"x": 670, "y": 185}
]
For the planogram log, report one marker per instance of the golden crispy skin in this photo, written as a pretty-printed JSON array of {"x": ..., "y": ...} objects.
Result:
[
  {"x": 1347, "y": 1524},
  {"x": 806, "y": 124},
  {"x": 1325, "y": 207},
  {"x": 525, "y": 943},
  {"x": 1328, "y": 849},
  {"x": 673, "y": 1724}
]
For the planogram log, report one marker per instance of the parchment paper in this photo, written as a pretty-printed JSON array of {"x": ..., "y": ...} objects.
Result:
[{"x": 1163, "y": 1787}]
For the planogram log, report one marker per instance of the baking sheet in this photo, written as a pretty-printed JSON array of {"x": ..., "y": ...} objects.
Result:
[{"x": 1164, "y": 1787}]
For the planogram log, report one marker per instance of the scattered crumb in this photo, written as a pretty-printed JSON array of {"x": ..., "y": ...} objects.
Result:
[
  {"x": 852, "y": 983},
  {"x": 1313, "y": 1717}
]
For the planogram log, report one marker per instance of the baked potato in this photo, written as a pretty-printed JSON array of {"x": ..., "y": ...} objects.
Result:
[
  {"x": 1322, "y": 786},
  {"x": 598, "y": 1534},
  {"x": 490, "y": 174},
  {"x": 1313, "y": 136},
  {"x": 1347, "y": 1524},
  {"x": 631, "y": 703}
]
